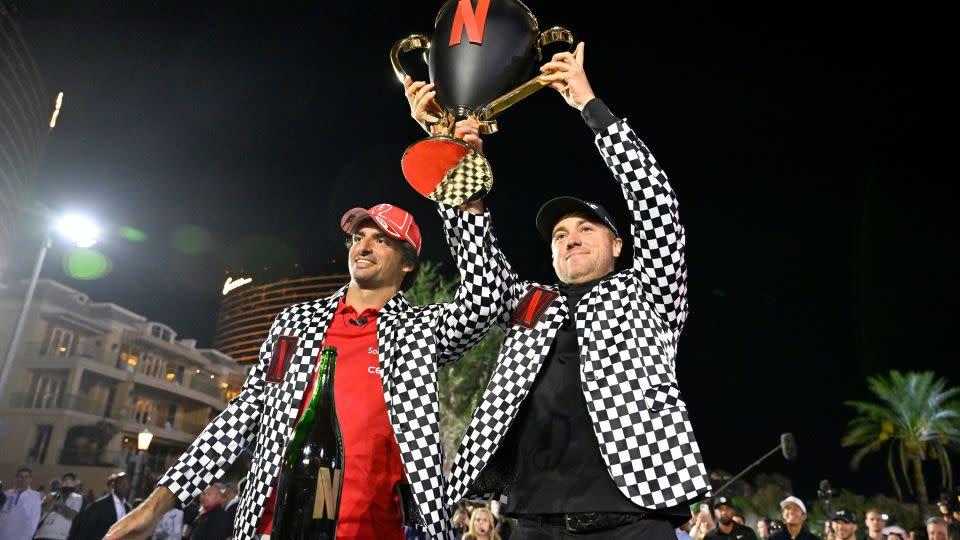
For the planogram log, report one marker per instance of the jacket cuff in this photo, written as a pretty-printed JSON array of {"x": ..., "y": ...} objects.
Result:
[
  {"x": 597, "y": 116},
  {"x": 452, "y": 213}
]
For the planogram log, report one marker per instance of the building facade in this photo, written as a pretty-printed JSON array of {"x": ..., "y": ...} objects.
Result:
[
  {"x": 247, "y": 310},
  {"x": 24, "y": 114},
  {"x": 89, "y": 376}
]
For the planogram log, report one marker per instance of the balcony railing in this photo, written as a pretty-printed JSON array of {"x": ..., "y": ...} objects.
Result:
[
  {"x": 99, "y": 408},
  {"x": 66, "y": 402},
  {"x": 206, "y": 386}
]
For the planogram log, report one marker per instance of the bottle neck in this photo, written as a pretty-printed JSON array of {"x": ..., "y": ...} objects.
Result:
[{"x": 323, "y": 392}]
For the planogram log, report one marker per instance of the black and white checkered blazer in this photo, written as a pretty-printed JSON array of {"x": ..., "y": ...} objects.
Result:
[
  {"x": 413, "y": 342},
  {"x": 628, "y": 327}
]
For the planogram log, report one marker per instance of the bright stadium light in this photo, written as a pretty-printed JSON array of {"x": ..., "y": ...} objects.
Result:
[{"x": 80, "y": 230}]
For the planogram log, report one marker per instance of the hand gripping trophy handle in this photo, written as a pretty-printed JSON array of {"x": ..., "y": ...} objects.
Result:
[
  {"x": 415, "y": 42},
  {"x": 551, "y": 35}
]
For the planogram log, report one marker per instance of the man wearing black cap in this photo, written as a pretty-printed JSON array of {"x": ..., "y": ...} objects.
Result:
[
  {"x": 582, "y": 422},
  {"x": 844, "y": 524},
  {"x": 727, "y": 528}
]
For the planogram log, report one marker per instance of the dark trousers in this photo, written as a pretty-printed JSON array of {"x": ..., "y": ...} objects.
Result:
[{"x": 652, "y": 529}]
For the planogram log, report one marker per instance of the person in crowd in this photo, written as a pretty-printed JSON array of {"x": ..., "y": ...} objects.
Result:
[
  {"x": 60, "y": 510},
  {"x": 190, "y": 513},
  {"x": 20, "y": 513},
  {"x": 230, "y": 500},
  {"x": 93, "y": 521},
  {"x": 727, "y": 528},
  {"x": 683, "y": 531},
  {"x": 738, "y": 518},
  {"x": 844, "y": 524},
  {"x": 937, "y": 529},
  {"x": 763, "y": 528},
  {"x": 482, "y": 525},
  {"x": 170, "y": 526},
  {"x": 461, "y": 521},
  {"x": 505, "y": 525},
  {"x": 703, "y": 522},
  {"x": 88, "y": 495},
  {"x": 875, "y": 523},
  {"x": 794, "y": 521},
  {"x": 895, "y": 532},
  {"x": 949, "y": 507},
  {"x": 213, "y": 522}
]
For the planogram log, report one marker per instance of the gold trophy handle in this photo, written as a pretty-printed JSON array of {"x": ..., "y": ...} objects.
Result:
[
  {"x": 410, "y": 43},
  {"x": 497, "y": 106},
  {"x": 415, "y": 42}
]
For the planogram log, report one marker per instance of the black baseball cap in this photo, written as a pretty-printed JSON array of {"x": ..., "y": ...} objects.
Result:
[
  {"x": 843, "y": 515},
  {"x": 720, "y": 501},
  {"x": 554, "y": 209}
]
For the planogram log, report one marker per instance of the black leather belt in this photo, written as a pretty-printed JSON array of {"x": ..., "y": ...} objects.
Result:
[{"x": 584, "y": 522}]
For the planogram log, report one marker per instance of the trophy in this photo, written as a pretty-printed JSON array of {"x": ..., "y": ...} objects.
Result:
[{"x": 479, "y": 57}]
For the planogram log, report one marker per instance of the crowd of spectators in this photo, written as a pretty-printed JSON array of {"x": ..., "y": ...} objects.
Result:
[{"x": 63, "y": 511}]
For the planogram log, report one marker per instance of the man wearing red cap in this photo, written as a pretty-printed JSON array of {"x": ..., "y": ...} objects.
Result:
[{"x": 386, "y": 384}]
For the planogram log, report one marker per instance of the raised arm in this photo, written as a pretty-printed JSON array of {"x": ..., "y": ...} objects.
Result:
[
  {"x": 477, "y": 302},
  {"x": 658, "y": 239}
]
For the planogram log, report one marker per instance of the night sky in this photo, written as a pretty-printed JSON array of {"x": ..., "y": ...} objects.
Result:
[{"x": 803, "y": 144}]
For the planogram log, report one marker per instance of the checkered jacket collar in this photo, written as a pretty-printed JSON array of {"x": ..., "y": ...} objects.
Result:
[{"x": 398, "y": 303}]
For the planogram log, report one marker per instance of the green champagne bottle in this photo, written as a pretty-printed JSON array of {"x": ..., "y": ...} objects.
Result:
[{"x": 311, "y": 473}]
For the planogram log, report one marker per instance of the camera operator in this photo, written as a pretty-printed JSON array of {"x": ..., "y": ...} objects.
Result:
[{"x": 59, "y": 510}]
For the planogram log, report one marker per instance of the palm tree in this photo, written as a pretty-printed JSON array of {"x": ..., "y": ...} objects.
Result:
[{"x": 914, "y": 420}]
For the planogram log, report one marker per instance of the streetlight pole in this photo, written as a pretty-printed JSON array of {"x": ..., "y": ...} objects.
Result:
[
  {"x": 79, "y": 229},
  {"x": 22, "y": 319},
  {"x": 143, "y": 444}
]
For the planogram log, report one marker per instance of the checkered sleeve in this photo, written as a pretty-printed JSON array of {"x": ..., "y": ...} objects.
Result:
[
  {"x": 465, "y": 320},
  {"x": 217, "y": 446},
  {"x": 658, "y": 236}
]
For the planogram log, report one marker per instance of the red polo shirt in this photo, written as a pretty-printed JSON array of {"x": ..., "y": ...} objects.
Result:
[{"x": 372, "y": 463}]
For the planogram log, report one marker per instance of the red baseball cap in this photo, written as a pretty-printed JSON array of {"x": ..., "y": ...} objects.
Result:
[{"x": 392, "y": 220}]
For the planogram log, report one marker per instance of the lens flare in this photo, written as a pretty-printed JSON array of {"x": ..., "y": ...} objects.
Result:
[{"x": 86, "y": 264}]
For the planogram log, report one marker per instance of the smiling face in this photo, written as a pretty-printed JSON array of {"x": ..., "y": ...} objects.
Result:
[
  {"x": 844, "y": 530},
  {"x": 583, "y": 249},
  {"x": 375, "y": 259},
  {"x": 793, "y": 515}
]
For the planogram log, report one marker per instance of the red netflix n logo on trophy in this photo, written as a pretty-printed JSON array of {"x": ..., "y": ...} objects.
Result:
[{"x": 473, "y": 21}]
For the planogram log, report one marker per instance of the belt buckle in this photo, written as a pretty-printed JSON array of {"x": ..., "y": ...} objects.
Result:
[{"x": 581, "y": 522}]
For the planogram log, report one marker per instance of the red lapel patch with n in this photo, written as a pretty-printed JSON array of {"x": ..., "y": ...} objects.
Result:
[
  {"x": 283, "y": 349},
  {"x": 532, "y": 307}
]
